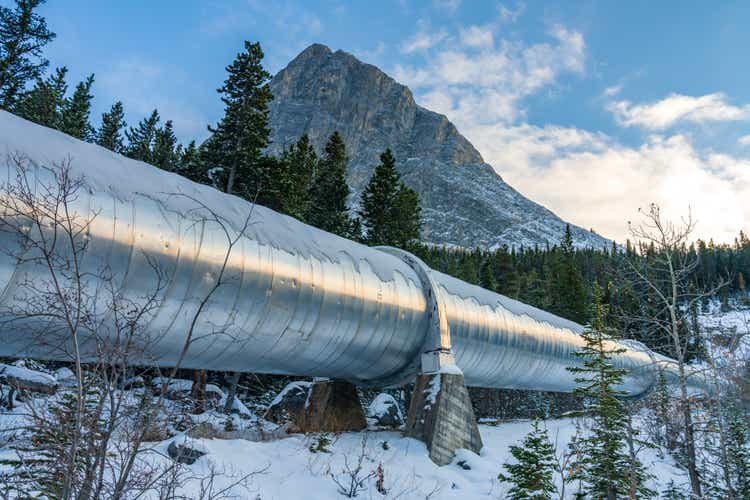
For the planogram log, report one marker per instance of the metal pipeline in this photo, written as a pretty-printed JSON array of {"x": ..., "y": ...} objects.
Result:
[{"x": 295, "y": 300}]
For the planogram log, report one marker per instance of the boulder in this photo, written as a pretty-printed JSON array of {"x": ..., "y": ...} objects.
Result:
[
  {"x": 186, "y": 451},
  {"x": 179, "y": 389},
  {"x": 384, "y": 412},
  {"x": 288, "y": 407},
  {"x": 24, "y": 379}
]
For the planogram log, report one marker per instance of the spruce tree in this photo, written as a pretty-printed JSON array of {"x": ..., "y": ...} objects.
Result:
[
  {"x": 390, "y": 210},
  {"x": 165, "y": 152},
  {"x": 737, "y": 451},
  {"x": 190, "y": 164},
  {"x": 23, "y": 35},
  {"x": 109, "y": 134},
  {"x": 44, "y": 103},
  {"x": 567, "y": 287},
  {"x": 487, "y": 276},
  {"x": 75, "y": 114},
  {"x": 673, "y": 492},
  {"x": 606, "y": 465},
  {"x": 142, "y": 137},
  {"x": 531, "y": 475},
  {"x": 300, "y": 164},
  {"x": 235, "y": 149},
  {"x": 328, "y": 192}
]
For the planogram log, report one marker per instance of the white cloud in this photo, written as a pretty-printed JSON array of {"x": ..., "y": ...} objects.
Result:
[
  {"x": 744, "y": 140},
  {"x": 509, "y": 15},
  {"x": 613, "y": 90},
  {"x": 488, "y": 84},
  {"x": 422, "y": 40},
  {"x": 477, "y": 36},
  {"x": 592, "y": 180},
  {"x": 677, "y": 108},
  {"x": 588, "y": 178},
  {"x": 450, "y": 6}
]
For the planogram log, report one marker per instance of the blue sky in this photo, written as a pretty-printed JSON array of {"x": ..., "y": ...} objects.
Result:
[{"x": 592, "y": 108}]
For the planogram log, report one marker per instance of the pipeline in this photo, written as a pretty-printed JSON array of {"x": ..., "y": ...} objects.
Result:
[{"x": 296, "y": 300}]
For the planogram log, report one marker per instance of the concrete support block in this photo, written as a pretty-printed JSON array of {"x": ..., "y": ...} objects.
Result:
[
  {"x": 333, "y": 406},
  {"x": 441, "y": 415}
]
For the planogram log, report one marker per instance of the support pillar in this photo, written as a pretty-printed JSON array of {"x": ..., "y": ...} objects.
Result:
[
  {"x": 441, "y": 415},
  {"x": 333, "y": 406}
]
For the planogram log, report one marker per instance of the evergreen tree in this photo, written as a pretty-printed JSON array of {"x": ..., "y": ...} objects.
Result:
[
  {"x": 109, "y": 134},
  {"x": 166, "y": 151},
  {"x": 141, "y": 138},
  {"x": 23, "y": 35},
  {"x": 300, "y": 163},
  {"x": 44, "y": 103},
  {"x": 605, "y": 466},
  {"x": 673, "y": 492},
  {"x": 235, "y": 149},
  {"x": 531, "y": 475},
  {"x": 487, "y": 276},
  {"x": 568, "y": 289},
  {"x": 75, "y": 114},
  {"x": 738, "y": 454},
  {"x": 190, "y": 164},
  {"x": 328, "y": 192},
  {"x": 390, "y": 210},
  {"x": 408, "y": 216}
]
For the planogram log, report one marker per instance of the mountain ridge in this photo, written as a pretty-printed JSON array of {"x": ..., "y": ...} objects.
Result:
[{"x": 465, "y": 202}]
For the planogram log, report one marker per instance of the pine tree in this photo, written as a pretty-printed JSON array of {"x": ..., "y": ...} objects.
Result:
[
  {"x": 531, "y": 475},
  {"x": 408, "y": 216},
  {"x": 737, "y": 451},
  {"x": 328, "y": 191},
  {"x": 44, "y": 103},
  {"x": 390, "y": 210},
  {"x": 300, "y": 163},
  {"x": 487, "y": 276},
  {"x": 190, "y": 164},
  {"x": 235, "y": 149},
  {"x": 673, "y": 492},
  {"x": 141, "y": 138},
  {"x": 23, "y": 35},
  {"x": 605, "y": 466},
  {"x": 109, "y": 134},
  {"x": 75, "y": 114},
  {"x": 165, "y": 152},
  {"x": 568, "y": 290}
]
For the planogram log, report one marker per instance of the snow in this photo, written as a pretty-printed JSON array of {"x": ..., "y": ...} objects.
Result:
[
  {"x": 178, "y": 385},
  {"x": 381, "y": 405},
  {"x": 287, "y": 468},
  {"x": 31, "y": 376},
  {"x": 296, "y": 385}
]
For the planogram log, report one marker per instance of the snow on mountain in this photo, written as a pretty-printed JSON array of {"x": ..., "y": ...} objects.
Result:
[{"x": 464, "y": 201}]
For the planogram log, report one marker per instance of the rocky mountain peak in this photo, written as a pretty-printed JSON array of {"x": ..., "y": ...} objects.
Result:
[{"x": 465, "y": 202}]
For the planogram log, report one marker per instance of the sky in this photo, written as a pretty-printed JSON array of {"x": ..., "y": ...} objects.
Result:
[{"x": 592, "y": 108}]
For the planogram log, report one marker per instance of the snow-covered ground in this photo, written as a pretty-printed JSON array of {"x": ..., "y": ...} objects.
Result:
[{"x": 287, "y": 469}]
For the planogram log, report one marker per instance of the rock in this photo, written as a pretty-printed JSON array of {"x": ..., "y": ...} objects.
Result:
[
  {"x": 464, "y": 201},
  {"x": 325, "y": 406},
  {"x": 25, "y": 379},
  {"x": 187, "y": 451},
  {"x": 333, "y": 406},
  {"x": 288, "y": 407},
  {"x": 384, "y": 411},
  {"x": 65, "y": 375},
  {"x": 179, "y": 389},
  {"x": 132, "y": 383}
]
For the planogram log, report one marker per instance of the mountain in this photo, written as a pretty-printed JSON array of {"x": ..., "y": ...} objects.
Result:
[{"x": 464, "y": 201}]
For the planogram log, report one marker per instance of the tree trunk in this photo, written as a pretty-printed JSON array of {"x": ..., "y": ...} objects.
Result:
[{"x": 198, "y": 391}]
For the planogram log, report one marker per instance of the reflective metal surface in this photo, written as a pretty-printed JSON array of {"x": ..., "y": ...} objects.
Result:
[{"x": 296, "y": 300}]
